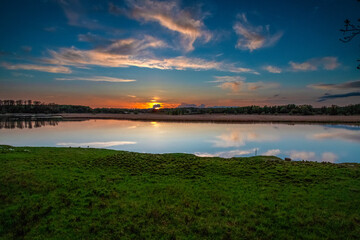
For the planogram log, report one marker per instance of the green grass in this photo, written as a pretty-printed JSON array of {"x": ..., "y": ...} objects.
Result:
[{"x": 73, "y": 193}]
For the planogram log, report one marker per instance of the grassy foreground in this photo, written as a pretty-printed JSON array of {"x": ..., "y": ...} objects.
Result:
[{"x": 72, "y": 193}]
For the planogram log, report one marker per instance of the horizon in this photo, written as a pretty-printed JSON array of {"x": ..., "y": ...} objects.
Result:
[{"x": 135, "y": 54}]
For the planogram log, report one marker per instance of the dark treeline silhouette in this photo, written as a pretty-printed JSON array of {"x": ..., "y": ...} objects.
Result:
[
  {"x": 28, "y": 106},
  {"x": 290, "y": 109}
]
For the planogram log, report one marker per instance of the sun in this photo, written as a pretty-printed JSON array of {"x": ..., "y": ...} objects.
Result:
[{"x": 155, "y": 105}]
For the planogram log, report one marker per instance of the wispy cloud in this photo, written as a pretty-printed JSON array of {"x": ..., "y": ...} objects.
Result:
[
  {"x": 328, "y": 86},
  {"x": 254, "y": 37},
  {"x": 169, "y": 15},
  {"x": 106, "y": 58},
  {"x": 335, "y": 96},
  {"x": 326, "y": 63},
  {"x": 96, "y": 144},
  {"x": 76, "y": 16},
  {"x": 96, "y": 79},
  {"x": 234, "y": 86},
  {"x": 133, "y": 46},
  {"x": 17, "y": 74},
  {"x": 50, "y": 29},
  {"x": 26, "y": 49},
  {"x": 41, "y": 68},
  {"x": 261, "y": 85},
  {"x": 228, "y": 78},
  {"x": 237, "y": 84},
  {"x": 272, "y": 69}
]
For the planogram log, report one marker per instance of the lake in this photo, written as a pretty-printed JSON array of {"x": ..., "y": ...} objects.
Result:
[{"x": 331, "y": 143}]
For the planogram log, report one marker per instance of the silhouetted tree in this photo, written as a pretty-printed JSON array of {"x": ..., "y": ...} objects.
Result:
[{"x": 350, "y": 31}]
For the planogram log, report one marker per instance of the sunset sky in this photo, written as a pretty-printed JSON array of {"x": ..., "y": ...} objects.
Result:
[{"x": 218, "y": 53}]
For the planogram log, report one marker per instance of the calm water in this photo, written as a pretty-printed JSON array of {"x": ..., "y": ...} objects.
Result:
[{"x": 333, "y": 143}]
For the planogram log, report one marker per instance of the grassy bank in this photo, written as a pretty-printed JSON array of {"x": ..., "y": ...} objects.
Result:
[{"x": 72, "y": 193}]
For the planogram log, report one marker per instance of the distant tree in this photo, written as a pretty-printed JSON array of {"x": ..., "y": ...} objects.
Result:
[{"x": 350, "y": 31}]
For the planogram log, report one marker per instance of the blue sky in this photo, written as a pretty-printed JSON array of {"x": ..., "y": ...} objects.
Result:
[{"x": 218, "y": 53}]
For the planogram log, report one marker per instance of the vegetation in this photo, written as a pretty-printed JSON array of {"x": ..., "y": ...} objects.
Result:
[
  {"x": 74, "y": 193},
  {"x": 28, "y": 106}
]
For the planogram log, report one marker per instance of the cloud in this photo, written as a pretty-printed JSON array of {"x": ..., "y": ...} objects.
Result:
[
  {"x": 272, "y": 152},
  {"x": 228, "y": 78},
  {"x": 227, "y": 154},
  {"x": 334, "y": 96},
  {"x": 326, "y": 63},
  {"x": 170, "y": 16},
  {"x": 50, "y": 29},
  {"x": 128, "y": 46},
  {"x": 16, "y": 74},
  {"x": 261, "y": 85},
  {"x": 76, "y": 15},
  {"x": 302, "y": 155},
  {"x": 233, "y": 86},
  {"x": 328, "y": 86},
  {"x": 94, "y": 39},
  {"x": 133, "y": 46},
  {"x": 189, "y": 105},
  {"x": 96, "y": 79},
  {"x": 26, "y": 49},
  {"x": 41, "y": 68},
  {"x": 237, "y": 83},
  {"x": 118, "y": 58},
  {"x": 253, "y": 37},
  {"x": 96, "y": 144},
  {"x": 272, "y": 69}
]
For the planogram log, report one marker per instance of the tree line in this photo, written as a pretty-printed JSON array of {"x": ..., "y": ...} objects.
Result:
[{"x": 29, "y": 106}]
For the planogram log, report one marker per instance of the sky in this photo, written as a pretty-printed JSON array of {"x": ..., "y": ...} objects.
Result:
[{"x": 137, "y": 53}]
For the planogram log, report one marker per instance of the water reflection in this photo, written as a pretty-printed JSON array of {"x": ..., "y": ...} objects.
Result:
[
  {"x": 227, "y": 154},
  {"x": 272, "y": 152},
  {"x": 312, "y": 156},
  {"x": 239, "y": 137},
  {"x": 299, "y": 142},
  {"x": 96, "y": 144},
  {"x": 9, "y": 123},
  {"x": 346, "y": 135}
]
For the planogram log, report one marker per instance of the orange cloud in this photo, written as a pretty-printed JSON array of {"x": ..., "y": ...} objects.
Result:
[{"x": 96, "y": 79}]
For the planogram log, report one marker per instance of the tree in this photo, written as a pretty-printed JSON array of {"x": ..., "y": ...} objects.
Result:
[{"x": 350, "y": 31}]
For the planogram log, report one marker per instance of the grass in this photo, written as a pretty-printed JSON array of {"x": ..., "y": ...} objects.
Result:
[{"x": 73, "y": 193}]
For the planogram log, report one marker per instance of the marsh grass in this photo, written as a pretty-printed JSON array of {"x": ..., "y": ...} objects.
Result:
[{"x": 73, "y": 193}]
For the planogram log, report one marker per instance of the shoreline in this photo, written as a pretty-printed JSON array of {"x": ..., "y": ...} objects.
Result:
[
  {"x": 218, "y": 118},
  {"x": 249, "y": 118}
]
